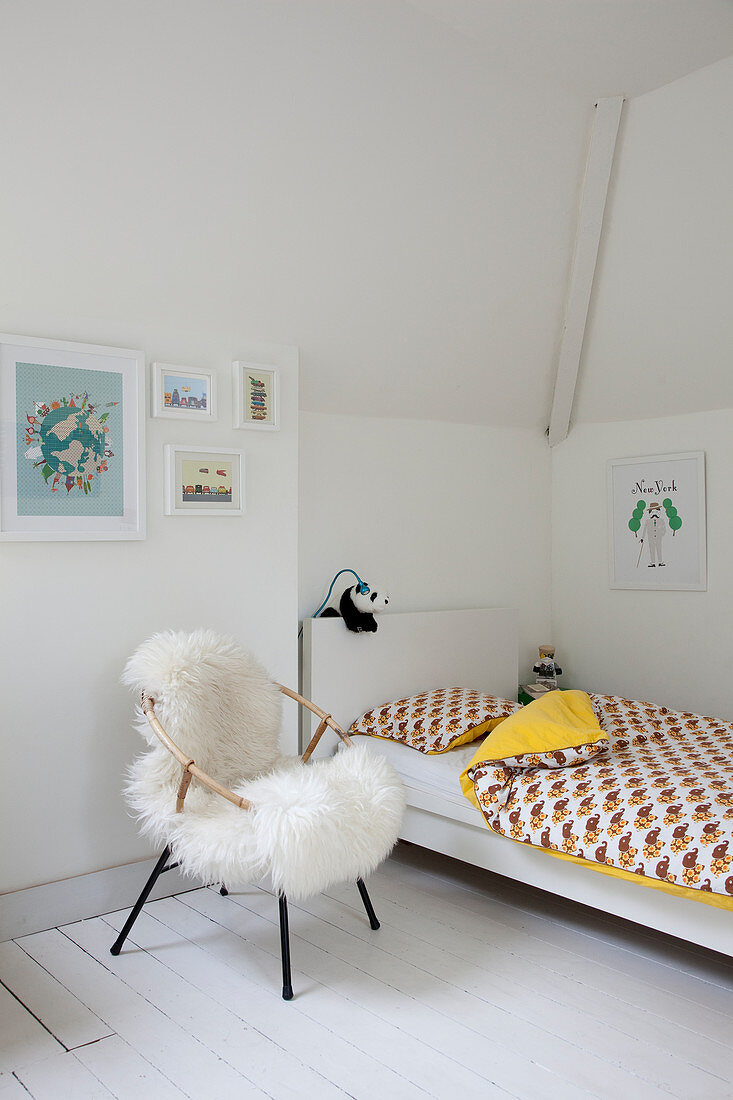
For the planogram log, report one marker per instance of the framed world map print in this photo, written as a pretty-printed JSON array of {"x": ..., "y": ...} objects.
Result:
[{"x": 72, "y": 431}]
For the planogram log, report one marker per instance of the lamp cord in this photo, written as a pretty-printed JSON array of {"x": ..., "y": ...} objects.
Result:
[{"x": 362, "y": 588}]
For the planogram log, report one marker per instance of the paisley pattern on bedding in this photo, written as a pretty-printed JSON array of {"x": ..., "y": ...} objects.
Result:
[{"x": 659, "y": 805}]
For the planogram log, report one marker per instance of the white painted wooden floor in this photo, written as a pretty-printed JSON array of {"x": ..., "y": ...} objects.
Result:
[{"x": 473, "y": 987}]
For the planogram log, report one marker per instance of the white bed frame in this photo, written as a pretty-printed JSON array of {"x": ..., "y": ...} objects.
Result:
[{"x": 348, "y": 673}]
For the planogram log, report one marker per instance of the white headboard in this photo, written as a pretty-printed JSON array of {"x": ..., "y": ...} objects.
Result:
[{"x": 347, "y": 673}]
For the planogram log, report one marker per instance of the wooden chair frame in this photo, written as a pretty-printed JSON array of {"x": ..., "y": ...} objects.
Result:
[{"x": 192, "y": 771}]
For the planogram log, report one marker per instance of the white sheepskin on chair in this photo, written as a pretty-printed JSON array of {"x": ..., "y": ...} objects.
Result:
[
  {"x": 213, "y": 698},
  {"x": 313, "y": 825}
]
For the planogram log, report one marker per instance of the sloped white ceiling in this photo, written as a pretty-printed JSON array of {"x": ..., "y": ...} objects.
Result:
[
  {"x": 360, "y": 178},
  {"x": 659, "y": 339},
  {"x": 593, "y": 47}
]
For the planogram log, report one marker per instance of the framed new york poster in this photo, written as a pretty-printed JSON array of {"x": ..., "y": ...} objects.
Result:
[
  {"x": 656, "y": 522},
  {"x": 72, "y": 431}
]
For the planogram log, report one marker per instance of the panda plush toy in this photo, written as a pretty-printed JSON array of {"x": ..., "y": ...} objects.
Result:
[{"x": 358, "y": 609}]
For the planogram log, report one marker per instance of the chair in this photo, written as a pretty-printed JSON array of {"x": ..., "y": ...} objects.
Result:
[{"x": 214, "y": 791}]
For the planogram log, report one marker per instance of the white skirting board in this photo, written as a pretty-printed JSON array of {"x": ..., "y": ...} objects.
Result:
[
  {"x": 476, "y": 844},
  {"x": 38, "y": 908}
]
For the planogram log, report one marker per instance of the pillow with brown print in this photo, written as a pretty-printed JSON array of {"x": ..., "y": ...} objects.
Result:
[{"x": 436, "y": 721}]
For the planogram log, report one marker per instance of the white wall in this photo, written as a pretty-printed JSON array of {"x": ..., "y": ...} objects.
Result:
[
  {"x": 659, "y": 341},
  {"x": 660, "y": 329},
  {"x": 73, "y": 612},
  {"x": 350, "y": 177},
  {"x": 193, "y": 178},
  {"x": 190, "y": 178},
  {"x": 442, "y": 515},
  {"x": 667, "y": 647}
]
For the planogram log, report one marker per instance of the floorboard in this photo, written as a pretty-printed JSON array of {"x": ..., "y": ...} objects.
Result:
[
  {"x": 492, "y": 964},
  {"x": 11, "y": 1088},
  {"x": 414, "y": 1003},
  {"x": 125, "y": 1072},
  {"x": 674, "y": 993},
  {"x": 23, "y": 1039},
  {"x": 61, "y": 1075},
  {"x": 67, "y": 1019},
  {"x": 186, "y": 1062},
  {"x": 473, "y": 986},
  {"x": 256, "y": 1057},
  {"x": 709, "y": 966},
  {"x": 501, "y": 1011},
  {"x": 650, "y": 946},
  {"x": 220, "y": 967},
  {"x": 618, "y": 1033},
  {"x": 338, "y": 1012}
]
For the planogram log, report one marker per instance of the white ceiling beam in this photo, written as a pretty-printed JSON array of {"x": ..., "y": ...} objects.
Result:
[{"x": 606, "y": 120}]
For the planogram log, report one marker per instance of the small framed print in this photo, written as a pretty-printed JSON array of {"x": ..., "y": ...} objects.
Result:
[
  {"x": 203, "y": 481},
  {"x": 72, "y": 441},
  {"x": 656, "y": 522},
  {"x": 256, "y": 396},
  {"x": 183, "y": 394}
]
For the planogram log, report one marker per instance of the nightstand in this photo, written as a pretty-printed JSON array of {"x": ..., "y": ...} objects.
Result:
[{"x": 527, "y": 693}]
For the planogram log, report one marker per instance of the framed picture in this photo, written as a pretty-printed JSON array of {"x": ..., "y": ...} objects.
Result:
[
  {"x": 656, "y": 519},
  {"x": 72, "y": 438},
  {"x": 256, "y": 396},
  {"x": 183, "y": 394},
  {"x": 203, "y": 481}
]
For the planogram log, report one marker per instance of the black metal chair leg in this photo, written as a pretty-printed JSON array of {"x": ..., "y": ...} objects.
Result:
[
  {"x": 157, "y": 871},
  {"x": 368, "y": 904},
  {"x": 285, "y": 947}
]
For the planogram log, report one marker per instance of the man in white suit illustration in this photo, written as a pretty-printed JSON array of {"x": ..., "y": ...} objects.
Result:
[{"x": 655, "y": 528}]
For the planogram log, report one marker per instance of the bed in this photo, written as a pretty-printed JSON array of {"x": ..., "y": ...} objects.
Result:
[{"x": 349, "y": 673}]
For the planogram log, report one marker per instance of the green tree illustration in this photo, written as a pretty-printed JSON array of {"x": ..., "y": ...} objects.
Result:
[
  {"x": 674, "y": 520},
  {"x": 636, "y": 516}
]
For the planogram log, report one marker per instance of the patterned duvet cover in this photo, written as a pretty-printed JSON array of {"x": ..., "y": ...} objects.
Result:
[{"x": 659, "y": 804}]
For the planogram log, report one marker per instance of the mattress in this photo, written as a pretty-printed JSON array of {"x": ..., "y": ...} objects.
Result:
[{"x": 432, "y": 775}]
